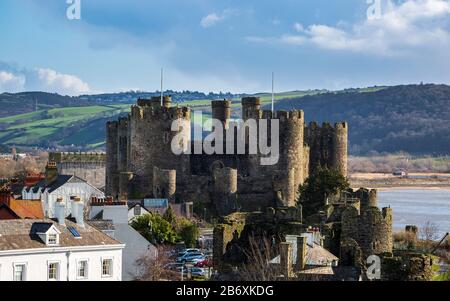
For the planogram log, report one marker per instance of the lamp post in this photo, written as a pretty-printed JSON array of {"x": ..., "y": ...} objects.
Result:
[{"x": 150, "y": 226}]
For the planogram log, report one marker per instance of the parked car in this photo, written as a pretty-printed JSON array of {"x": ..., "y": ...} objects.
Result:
[
  {"x": 190, "y": 256},
  {"x": 203, "y": 263},
  {"x": 176, "y": 266},
  {"x": 188, "y": 251},
  {"x": 195, "y": 272}
]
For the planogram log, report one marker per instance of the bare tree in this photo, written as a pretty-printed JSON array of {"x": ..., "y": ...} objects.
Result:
[
  {"x": 258, "y": 266},
  {"x": 156, "y": 267},
  {"x": 429, "y": 233}
]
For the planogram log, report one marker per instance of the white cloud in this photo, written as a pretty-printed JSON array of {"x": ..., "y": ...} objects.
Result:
[
  {"x": 11, "y": 82},
  {"x": 50, "y": 80},
  {"x": 298, "y": 27},
  {"x": 14, "y": 79},
  {"x": 401, "y": 28},
  {"x": 214, "y": 18},
  {"x": 211, "y": 20}
]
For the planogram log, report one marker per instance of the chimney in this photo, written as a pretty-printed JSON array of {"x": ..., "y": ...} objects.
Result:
[
  {"x": 78, "y": 211},
  {"x": 60, "y": 211},
  {"x": 51, "y": 173},
  {"x": 301, "y": 252},
  {"x": 5, "y": 195},
  {"x": 286, "y": 259}
]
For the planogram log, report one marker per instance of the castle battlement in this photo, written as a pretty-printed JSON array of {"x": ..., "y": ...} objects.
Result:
[
  {"x": 112, "y": 124},
  {"x": 327, "y": 126},
  {"x": 159, "y": 113},
  {"x": 290, "y": 115},
  {"x": 251, "y": 101},
  {"x": 221, "y": 103},
  {"x": 123, "y": 122},
  {"x": 155, "y": 101},
  {"x": 73, "y": 157}
]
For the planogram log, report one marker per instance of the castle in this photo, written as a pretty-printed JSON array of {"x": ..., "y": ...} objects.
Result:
[{"x": 140, "y": 162}]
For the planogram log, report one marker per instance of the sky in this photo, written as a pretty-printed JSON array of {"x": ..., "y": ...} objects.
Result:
[{"x": 221, "y": 45}]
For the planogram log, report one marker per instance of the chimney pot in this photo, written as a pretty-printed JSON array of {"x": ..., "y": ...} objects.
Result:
[
  {"x": 77, "y": 211},
  {"x": 60, "y": 211}
]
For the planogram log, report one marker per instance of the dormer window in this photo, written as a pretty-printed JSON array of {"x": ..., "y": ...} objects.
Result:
[{"x": 48, "y": 233}]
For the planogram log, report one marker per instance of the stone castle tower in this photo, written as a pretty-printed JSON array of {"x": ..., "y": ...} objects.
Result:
[{"x": 140, "y": 162}]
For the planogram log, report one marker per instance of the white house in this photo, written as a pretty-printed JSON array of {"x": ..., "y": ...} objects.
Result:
[
  {"x": 66, "y": 250},
  {"x": 67, "y": 187},
  {"x": 141, "y": 207},
  {"x": 136, "y": 246},
  {"x": 136, "y": 209}
]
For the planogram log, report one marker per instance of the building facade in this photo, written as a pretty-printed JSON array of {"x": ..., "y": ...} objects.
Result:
[
  {"x": 136, "y": 246},
  {"x": 44, "y": 250}
]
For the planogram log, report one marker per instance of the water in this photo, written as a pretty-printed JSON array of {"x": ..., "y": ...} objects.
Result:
[{"x": 416, "y": 207}]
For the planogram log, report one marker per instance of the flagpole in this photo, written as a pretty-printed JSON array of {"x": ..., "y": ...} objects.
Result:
[
  {"x": 162, "y": 79},
  {"x": 273, "y": 92}
]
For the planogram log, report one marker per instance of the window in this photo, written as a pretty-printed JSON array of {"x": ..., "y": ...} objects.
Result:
[
  {"x": 53, "y": 271},
  {"x": 19, "y": 272},
  {"x": 82, "y": 269},
  {"x": 52, "y": 239},
  {"x": 137, "y": 210},
  {"x": 107, "y": 268}
]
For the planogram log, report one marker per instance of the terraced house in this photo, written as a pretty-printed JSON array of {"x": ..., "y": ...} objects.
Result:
[{"x": 62, "y": 250}]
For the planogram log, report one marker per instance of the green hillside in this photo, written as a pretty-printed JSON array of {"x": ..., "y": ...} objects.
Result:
[
  {"x": 63, "y": 126},
  {"x": 81, "y": 126},
  {"x": 413, "y": 118}
]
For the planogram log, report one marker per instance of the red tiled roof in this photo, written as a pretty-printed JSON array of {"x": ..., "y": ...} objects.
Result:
[{"x": 27, "y": 209}]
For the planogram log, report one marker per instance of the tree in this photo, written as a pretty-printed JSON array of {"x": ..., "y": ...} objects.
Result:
[
  {"x": 318, "y": 187},
  {"x": 170, "y": 216},
  {"x": 156, "y": 267},
  {"x": 155, "y": 228},
  {"x": 189, "y": 234},
  {"x": 168, "y": 229},
  {"x": 429, "y": 233}
]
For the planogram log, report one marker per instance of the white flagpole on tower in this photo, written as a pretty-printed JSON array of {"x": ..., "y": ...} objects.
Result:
[
  {"x": 162, "y": 79},
  {"x": 273, "y": 92}
]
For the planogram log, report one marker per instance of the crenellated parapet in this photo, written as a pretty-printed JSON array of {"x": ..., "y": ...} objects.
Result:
[
  {"x": 251, "y": 108},
  {"x": 328, "y": 146},
  {"x": 371, "y": 229}
]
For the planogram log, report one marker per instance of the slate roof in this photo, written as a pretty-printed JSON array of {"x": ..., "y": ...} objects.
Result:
[
  {"x": 22, "y": 234},
  {"x": 40, "y": 227},
  {"x": 98, "y": 216},
  {"x": 60, "y": 181},
  {"x": 316, "y": 255},
  {"x": 339, "y": 273},
  {"x": 102, "y": 225}
]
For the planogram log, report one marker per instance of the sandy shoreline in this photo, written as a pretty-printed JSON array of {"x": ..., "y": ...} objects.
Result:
[
  {"x": 385, "y": 181},
  {"x": 408, "y": 188}
]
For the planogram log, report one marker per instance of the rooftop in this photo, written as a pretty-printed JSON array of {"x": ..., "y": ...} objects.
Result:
[
  {"x": 31, "y": 209},
  {"x": 60, "y": 181},
  {"x": 22, "y": 235}
]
